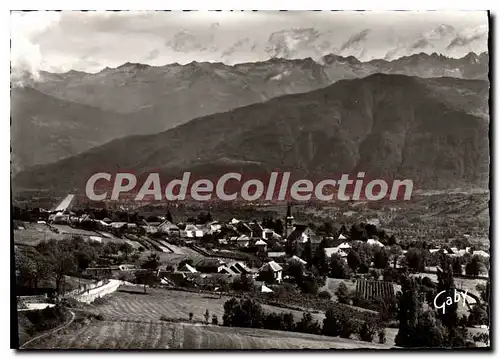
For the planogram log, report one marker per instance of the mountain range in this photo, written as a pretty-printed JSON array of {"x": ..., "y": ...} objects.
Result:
[
  {"x": 63, "y": 114},
  {"x": 431, "y": 130}
]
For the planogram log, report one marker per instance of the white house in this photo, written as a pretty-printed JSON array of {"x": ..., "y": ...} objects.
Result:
[
  {"x": 374, "y": 242},
  {"x": 261, "y": 245},
  {"x": 274, "y": 268},
  {"x": 344, "y": 245},
  {"x": 342, "y": 237},
  {"x": 335, "y": 250},
  {"x": 191, "y": 231},
  {"x": 243, "y": 241},
  {"x": 297, "y": 259}
]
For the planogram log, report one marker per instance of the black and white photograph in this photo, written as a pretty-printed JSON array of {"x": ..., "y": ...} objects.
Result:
[{"x": 250, "y": 180}]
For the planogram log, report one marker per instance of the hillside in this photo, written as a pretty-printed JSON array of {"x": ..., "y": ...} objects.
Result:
[
  {"x": 61, "y": 115},
  {"x": 47, "y": 129},
  {"x": 161, "y": 335},
  {"x": 433, "y": 131}
]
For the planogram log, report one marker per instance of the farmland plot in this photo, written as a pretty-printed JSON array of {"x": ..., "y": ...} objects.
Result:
[
  {"x": 130, "y": 303},
  {"x": 159, "y": 335}
]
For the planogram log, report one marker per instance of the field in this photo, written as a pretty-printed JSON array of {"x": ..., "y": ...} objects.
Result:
[
  {"x": 161, "y": 335},
  {"x": 468, "y": 284},
  {"x": 130, "y": 303},
  {"x": 369, "y": 289},
  {"x": 131, "y": 320}
]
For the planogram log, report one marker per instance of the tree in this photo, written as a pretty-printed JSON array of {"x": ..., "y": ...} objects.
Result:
[
  {"x": 409, "y": 310},
  {"x": 353, "y": 260},
  {"x": 343, "y": 294},
  {"x": 244, "y": 283},
  {"x": 320, "y": 258},
  {"x": 296, "y": 270},
  {"x": 324, "y": 295},
  {"x": 273, "y": 321},
  {"x": 244, "y": 313},
  {"x": 473, "y": 267},
  {"x": 349, "y": 326},
  {"x": 190, "y": 316},
  {"x": 307, "y": 254},
  {"x": 395, "y": 251},
  {"x": 392, "y": 241},
  {"x": 367, "y": 332},
  {"x": 331, "y": 324},
  {"x": 338, "y": 267},
  {"x": 415, "y": 259},
  {"x": 215, "y": 320},
  {"x": 126, "y": 249},
  {"x": 150, "y": 267},
  {"x": 382, "y": 336},
  {"x": 207, "y": 316},
  {"x": 381, "y": 259},
  {"x": 169, "y": 217},
  {"x": 456, "y": 263},
  {"x": 309, "y": 285},
  {"x": 307, "y": 325}
]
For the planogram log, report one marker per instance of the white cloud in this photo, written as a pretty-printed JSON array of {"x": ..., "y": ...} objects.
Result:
[
  {"x": 25, "y": 54},
  {"x": 90, "y": 41}
]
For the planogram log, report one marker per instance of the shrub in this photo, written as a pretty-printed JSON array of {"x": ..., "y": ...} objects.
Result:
[
  {"x": 367, "y": 332},
  {"x": 215, "y": 320},
  {"x": 324, "y": 295},
  {"x": 190, "y": 316},
  {"x": 343, "y": 294},
  {"x": 349, "y": 326},
  {"x": 332, "y": 325},
  {"x": 307, "y": 325},
  {"x": 382, "y": 336}
]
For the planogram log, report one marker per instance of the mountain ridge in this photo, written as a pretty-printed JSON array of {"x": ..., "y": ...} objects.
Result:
[{"x": 432, "y": 131}]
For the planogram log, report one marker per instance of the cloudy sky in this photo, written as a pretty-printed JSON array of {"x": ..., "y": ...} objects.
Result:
[{"x": 91, "y": 41}]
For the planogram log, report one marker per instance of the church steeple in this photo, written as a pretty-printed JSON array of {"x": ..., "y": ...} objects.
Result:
[{"x": 288, "y": 221}]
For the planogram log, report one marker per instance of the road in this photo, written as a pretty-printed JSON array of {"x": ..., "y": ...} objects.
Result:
[{"x": 51, "y": 331}]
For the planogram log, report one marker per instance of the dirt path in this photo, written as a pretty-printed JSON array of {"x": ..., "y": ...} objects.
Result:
[{"x": 51, "y": 331}]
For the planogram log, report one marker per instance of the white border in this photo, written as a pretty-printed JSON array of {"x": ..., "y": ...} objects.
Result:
[{"x": 192, "y": 5}]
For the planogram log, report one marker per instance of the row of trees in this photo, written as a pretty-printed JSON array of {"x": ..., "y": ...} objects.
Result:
[{"x": 248, "y": 313}]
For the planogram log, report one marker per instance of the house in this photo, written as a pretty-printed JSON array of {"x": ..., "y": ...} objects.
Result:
[
  {"x": 209, "y": 265},
  {"x": 335, "y": 250},
  {"x": 227, "y": 270},
  {"x": 374, "y": 242},
  {"x": 272, "y": 269},
  {"x": 192, "y": 231},
  {"x": 244, "y": 228},
  {"x": 344, "y": 245},
  {"x": 269, "y": 233},
  {"x": 240, "y": 268},
  {"x": 127, "y": 267},
  {"x": 261, "y": 245},
  {"x": 481, "y": 254},
  {"x": 342, "y": 237},
  {"x": 186, "y": 268},
  {"x": 296, "y": 259},
  {"x": 276, "y": 255},
  {"x": 214, "y": 227},
  {"x": 222, "y": 241},
  {"x": 242, "y": 241},
  {"x": 168, "y": 228},
  {"x": 264, "y": 289},
  {"x": 148, "y": 227},
  {"x": 257, "y": 229}
]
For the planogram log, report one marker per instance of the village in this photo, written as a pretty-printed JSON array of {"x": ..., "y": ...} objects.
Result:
[{"x": 282, "y": 262}]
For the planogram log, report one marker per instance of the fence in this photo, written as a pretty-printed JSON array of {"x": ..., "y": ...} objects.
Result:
[{"x": 84, "y": 288}]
